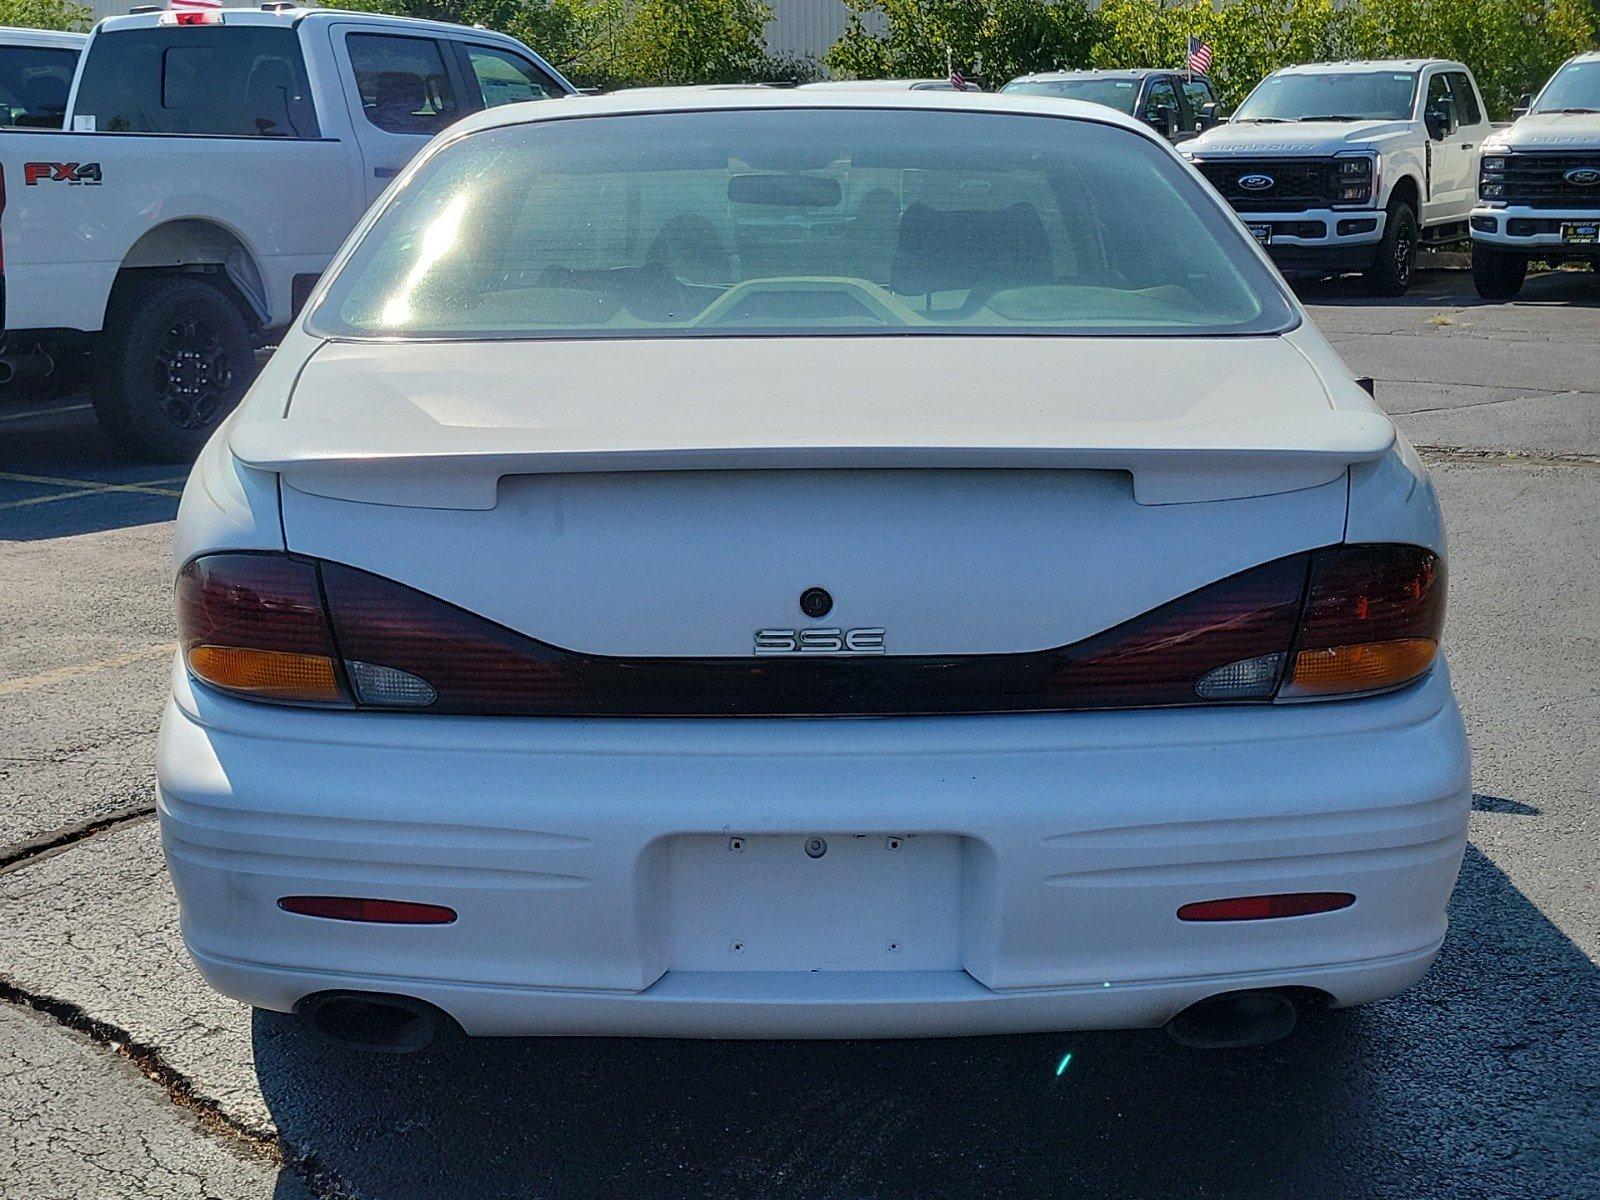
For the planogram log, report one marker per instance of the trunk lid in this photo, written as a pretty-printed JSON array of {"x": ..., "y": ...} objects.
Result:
[{"x": 670, "y": 497}]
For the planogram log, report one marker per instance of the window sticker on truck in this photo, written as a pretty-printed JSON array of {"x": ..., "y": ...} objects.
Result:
[{"x": 33, "y": 172}]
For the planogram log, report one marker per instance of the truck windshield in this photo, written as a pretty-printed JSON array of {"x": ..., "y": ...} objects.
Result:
[
  {"x": 1119, "y": 94},
  {"x": 1574, "y": 86},
  {"x": 788, "y": 221},
  {"x": 239, "y": 80},
  {"x": 1338, "y": 95},
  {"x": 34, "y": 82}
]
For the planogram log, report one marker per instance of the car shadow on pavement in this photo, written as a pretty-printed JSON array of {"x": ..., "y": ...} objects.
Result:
[
  {"x": 1479, "y": 1082},
  {"x": 60, "y": 475},
  {"x": 1433, "y": 288}
]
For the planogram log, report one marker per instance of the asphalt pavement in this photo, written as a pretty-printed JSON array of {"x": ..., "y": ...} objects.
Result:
[{"x": 121, "y": 1074}]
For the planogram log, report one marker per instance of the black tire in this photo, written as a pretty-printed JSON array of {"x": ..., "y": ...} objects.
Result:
[
  {"x": 1395, "y": 266},
  {"x": 176, "y": 357},
  {"x": 1496, "y": 273}
]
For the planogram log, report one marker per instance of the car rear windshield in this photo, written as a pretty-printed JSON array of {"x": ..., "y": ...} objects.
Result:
[
  {"x": 241, "y": 80},
  {"x": 1338, "y": 95},
  {"x": 1574, "y": 86},
  {"x": 1119, "y": 94},
  {"x": 34, "y": 82},
  {"x": 802, "y": 221}
]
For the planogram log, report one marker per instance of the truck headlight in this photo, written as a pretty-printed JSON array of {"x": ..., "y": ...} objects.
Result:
[{"x": 1354, "y": 180}]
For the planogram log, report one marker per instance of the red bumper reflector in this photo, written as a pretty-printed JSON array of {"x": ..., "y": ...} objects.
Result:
[
  {"x": 383, "y": 912},
  {"x": 1259, "y": 908}
]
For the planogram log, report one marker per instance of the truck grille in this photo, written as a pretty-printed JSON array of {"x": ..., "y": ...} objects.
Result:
[
  {"x": 1297, "y": 183},
  {"x": 1539, "y": 180}
]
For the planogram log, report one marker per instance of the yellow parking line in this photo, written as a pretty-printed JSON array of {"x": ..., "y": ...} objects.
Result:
[
  {"x": 43, "y": 412},
  {"x": 10, "y": 687},
  {"x": 151, "y": 486},
  {"x": 51, "y": 498}
]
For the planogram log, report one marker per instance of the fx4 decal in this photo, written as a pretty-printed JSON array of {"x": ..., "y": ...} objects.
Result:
[{"x": 32, "y": 173}]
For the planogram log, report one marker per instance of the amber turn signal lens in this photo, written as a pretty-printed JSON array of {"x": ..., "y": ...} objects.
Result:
[
  {"x": 269, "y": 674},
  {"x": 1365, "y": 667}
]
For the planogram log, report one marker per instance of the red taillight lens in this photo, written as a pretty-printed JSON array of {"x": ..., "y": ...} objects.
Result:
[
  {"x": 1374, "y": 614},
  {"x": 470, "y": 665},
  {"x": 1368, "y": 618},
  {"x": 1261, "y": 908},
  {"x": 253, "y": 624},
  {"x": 1224, "y": 642},
  {"x": 382, "y": 912}
]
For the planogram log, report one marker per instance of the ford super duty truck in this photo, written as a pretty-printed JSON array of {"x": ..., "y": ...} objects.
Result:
[
  {"x": 1338, "y": 167},
  {"x": 1539, "y": 183},
  {"x": 211, "y": 163}
]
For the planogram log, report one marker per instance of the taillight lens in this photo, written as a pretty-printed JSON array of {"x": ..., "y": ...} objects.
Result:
[
  {"x": 1334, "y": 622},
  {"x": 1223, "y": 642},
  {"x": 1266, "y": 908},
  {"x": 1373, "y": 619},
  {"x": 380, "y": 912},
  {"x": 253, "y": 624}
]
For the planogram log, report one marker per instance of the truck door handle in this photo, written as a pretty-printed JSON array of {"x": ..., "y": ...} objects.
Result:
[
  {"x": 1467, "y": 145},
  {"x": 385, "y": 172}
]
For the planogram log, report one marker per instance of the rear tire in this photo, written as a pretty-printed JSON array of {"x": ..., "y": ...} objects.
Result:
[
  {"x": 177, "y": 357},
  {"x": 1496, "y": 273},
  {"x": 1396, "y": 264}
]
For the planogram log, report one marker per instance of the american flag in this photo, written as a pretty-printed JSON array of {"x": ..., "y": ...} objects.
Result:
[
  {"x": 1199, "y": 56},
  {"x": 957, "y": 80}
]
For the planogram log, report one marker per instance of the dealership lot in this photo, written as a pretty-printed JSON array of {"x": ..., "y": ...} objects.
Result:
[{"x": 120, "y": 1073}]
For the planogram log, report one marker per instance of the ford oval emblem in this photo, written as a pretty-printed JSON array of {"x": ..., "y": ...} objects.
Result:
[
  {"x": 1583, "y": 176},
  {"x": 1256, "y": 183}
]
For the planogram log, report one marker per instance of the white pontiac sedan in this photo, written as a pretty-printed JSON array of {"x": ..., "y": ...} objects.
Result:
[{"x": 840, "y": 564}]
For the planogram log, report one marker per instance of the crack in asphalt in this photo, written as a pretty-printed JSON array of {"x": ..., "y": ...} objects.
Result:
[
  {"x": 26, "y": 853},
  {"x": 180, "y": 1090},
  {"x": 1512, "y": 458},
  {"x": 1491, "y": 403}
]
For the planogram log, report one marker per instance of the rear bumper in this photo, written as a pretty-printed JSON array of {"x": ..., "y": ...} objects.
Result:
[
  {"x": 1079, "y": 836},
  {"x": 866, "y": 1004},
  {"x": 1536, "y": 230}
]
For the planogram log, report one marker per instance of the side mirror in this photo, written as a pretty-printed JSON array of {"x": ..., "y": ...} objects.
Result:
[
  {"x": 1523, "y": 104},
  {"x": 1211, "y": 115},
  {"x": 1441, "y": 118}
]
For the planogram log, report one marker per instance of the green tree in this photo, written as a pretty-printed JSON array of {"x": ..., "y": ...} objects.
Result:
[
  {"x": 998, "y": 39},
  {"x": 45, "y": 14},
  {"x": 693, "y": 41}
]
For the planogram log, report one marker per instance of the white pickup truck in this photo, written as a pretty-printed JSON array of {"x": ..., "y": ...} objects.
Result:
[
  {"x": 211, "y": 164},
  {"x": 36, "y": 68},
  {"x": 1351, "y": 166},
  {"x": 1539, "y": 183}
]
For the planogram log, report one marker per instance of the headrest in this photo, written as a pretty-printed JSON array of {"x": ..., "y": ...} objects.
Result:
[{"x": 940, "y": 250}]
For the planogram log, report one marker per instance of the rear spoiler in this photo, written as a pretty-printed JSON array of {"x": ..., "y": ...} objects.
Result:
[{"x": 428, "y": 465}]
